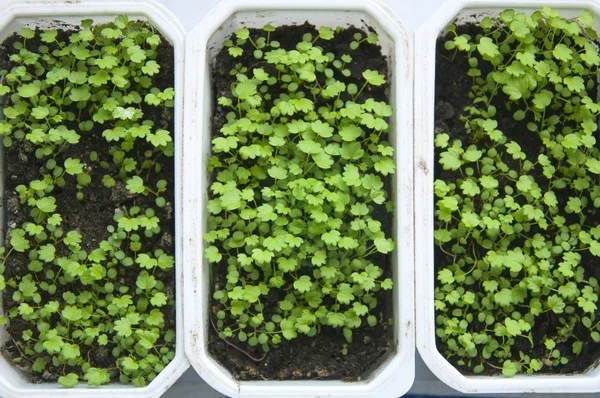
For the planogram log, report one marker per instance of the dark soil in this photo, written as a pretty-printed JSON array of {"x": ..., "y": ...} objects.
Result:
[
  {"x": 304, "y": 357},
  {"x": 451, "y": 96},
  {"x": 90, "y": 216}
]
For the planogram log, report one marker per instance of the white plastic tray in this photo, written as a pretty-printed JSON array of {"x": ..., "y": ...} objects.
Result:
[
  {"x": 395, "y": 376},
  {"x": 425, "y": 38},
  {"x": 18, "y": 14}
]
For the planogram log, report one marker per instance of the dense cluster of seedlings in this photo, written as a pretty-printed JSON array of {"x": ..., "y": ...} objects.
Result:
[
  {"x": 79, "y": 311},
  {"x": 299, "y": 189},
  {"x": 514, "y": 223}
]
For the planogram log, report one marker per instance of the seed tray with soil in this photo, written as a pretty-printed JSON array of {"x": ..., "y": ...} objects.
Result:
[
  {"x": 336, "y": 352},
  {"x": 87, "y": 267},
  {"x": 301, "y": 287},
  {"x": 517, "y": 194}
]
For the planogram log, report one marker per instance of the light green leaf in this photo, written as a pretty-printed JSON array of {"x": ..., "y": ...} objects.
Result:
[
  {"x": 487, "y": 48},
  {"x": 309, "y": 146},
  {"x": 503, "y": 297},
  {"x": 278, "y": 173},
  {"x": 510, "y": 368},
  {"x": 374, "y": 78},
  {"x": 47, "y": 204},
  {"x": 96, "y": 376},
  {"x": 303, "y": 284},
  {"x": 69, "y": 381},
  {"x": 556, "y": 304},
  {"x": 350, "y": 132},
  {"x": 18, "y": 241},
  {"x": 135, "y": 185},
  {"x": 451, "y": 159},
  {"x": 28, "y": 90},
  {"x": 73, "y": 166},
  {"x": 212, "y": 254},
  {"x": 562, "y": 53},
  {"x": 385, "y": 166},
  {"x": 445, "y": 276},
  {"x": 336, "y": 319}
]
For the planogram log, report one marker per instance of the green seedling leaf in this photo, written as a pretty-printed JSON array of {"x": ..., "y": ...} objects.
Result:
[
  {"x": 556, "y": 304},
  {"x": 374, "y": 78},
  {"x": 325, "y": 33},
  {"x": 161, "y": 138},
  {"x": 451, "y": 159},
  {"x": 96, "y": 376},
  {"x": 159, "y": 299},
  {"x": 28, "y": 90},
  {"x": 18, "y": 241},
  {"x": 562, "y": 53},
  {"x": 309, "y": 147},
  {"x": 462, "y": 43},
  {"x": 136, "y": 54},
  {"x": 135, "y": 185},
  {"x": 235, "y": 52},
  {"x": 487, "y": 48},
  {"x": 46, "y": 204},
  {"x": 151, "y": 68},
  {"x": 145, "y": 261},
  {"x": 27, "y": 33},
  {"x": 40, "y": 112},
  {"x": 510, "y": 368},
  {"x": 350, "y": 132},
  {"x": 385, "y": 166},
  {"x": 72, "y": 313},
  {"x": 445, "y": 276},
  {"x": 504, "y": 297},
  {"x": 574, "y": 83},
  {"x": 586, "y": 18},
  {"x": 69, "y": 381},
  {"x": 73, "y": 166},
  {"x": 542, "y": 99},
  {"x": 212, "y": 254},
  {"x": 242, "y": 33},
  {"x": 303, "y": 284},
  {"x": 345, "y": 294},
  {"x": 278, "y": 173},
  {"x": 48, "y": 36}
]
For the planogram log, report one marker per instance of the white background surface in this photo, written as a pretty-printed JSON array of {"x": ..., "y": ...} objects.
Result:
[{"x": 412, "y": 14}]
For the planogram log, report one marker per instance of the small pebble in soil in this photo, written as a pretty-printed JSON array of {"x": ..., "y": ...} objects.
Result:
[
  {"x": 251, "y": 370},
  {"x": 50, "y": 376},
  {"x": 22, "y": 157},
  {"x": 100, "y": 355},
  {"x": 166, "y": 241},
  {"x": 321, "y": 372},
  {"x": 13, "y": 205},
  {"x": 444, "y": 110},
  {"x": 297, "y": 373},
  {"x": 284, "y": 373},
  {"x": 27, "y": 147},
  {"x": 169, "y": 210},
  {"x": 119, "y": 193}
]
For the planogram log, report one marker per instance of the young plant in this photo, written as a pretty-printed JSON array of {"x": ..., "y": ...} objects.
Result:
[
  {"x": 516, "y": 201},
  {"x": 84, "y": 308},
  {"x": 299, "y": 192}
]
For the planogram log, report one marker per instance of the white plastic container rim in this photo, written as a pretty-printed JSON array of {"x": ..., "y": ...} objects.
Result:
[
  {"x": 425, "y": 42},
  {"x": 13, "y": 384},
  {"x": 396, "y": 374}
]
